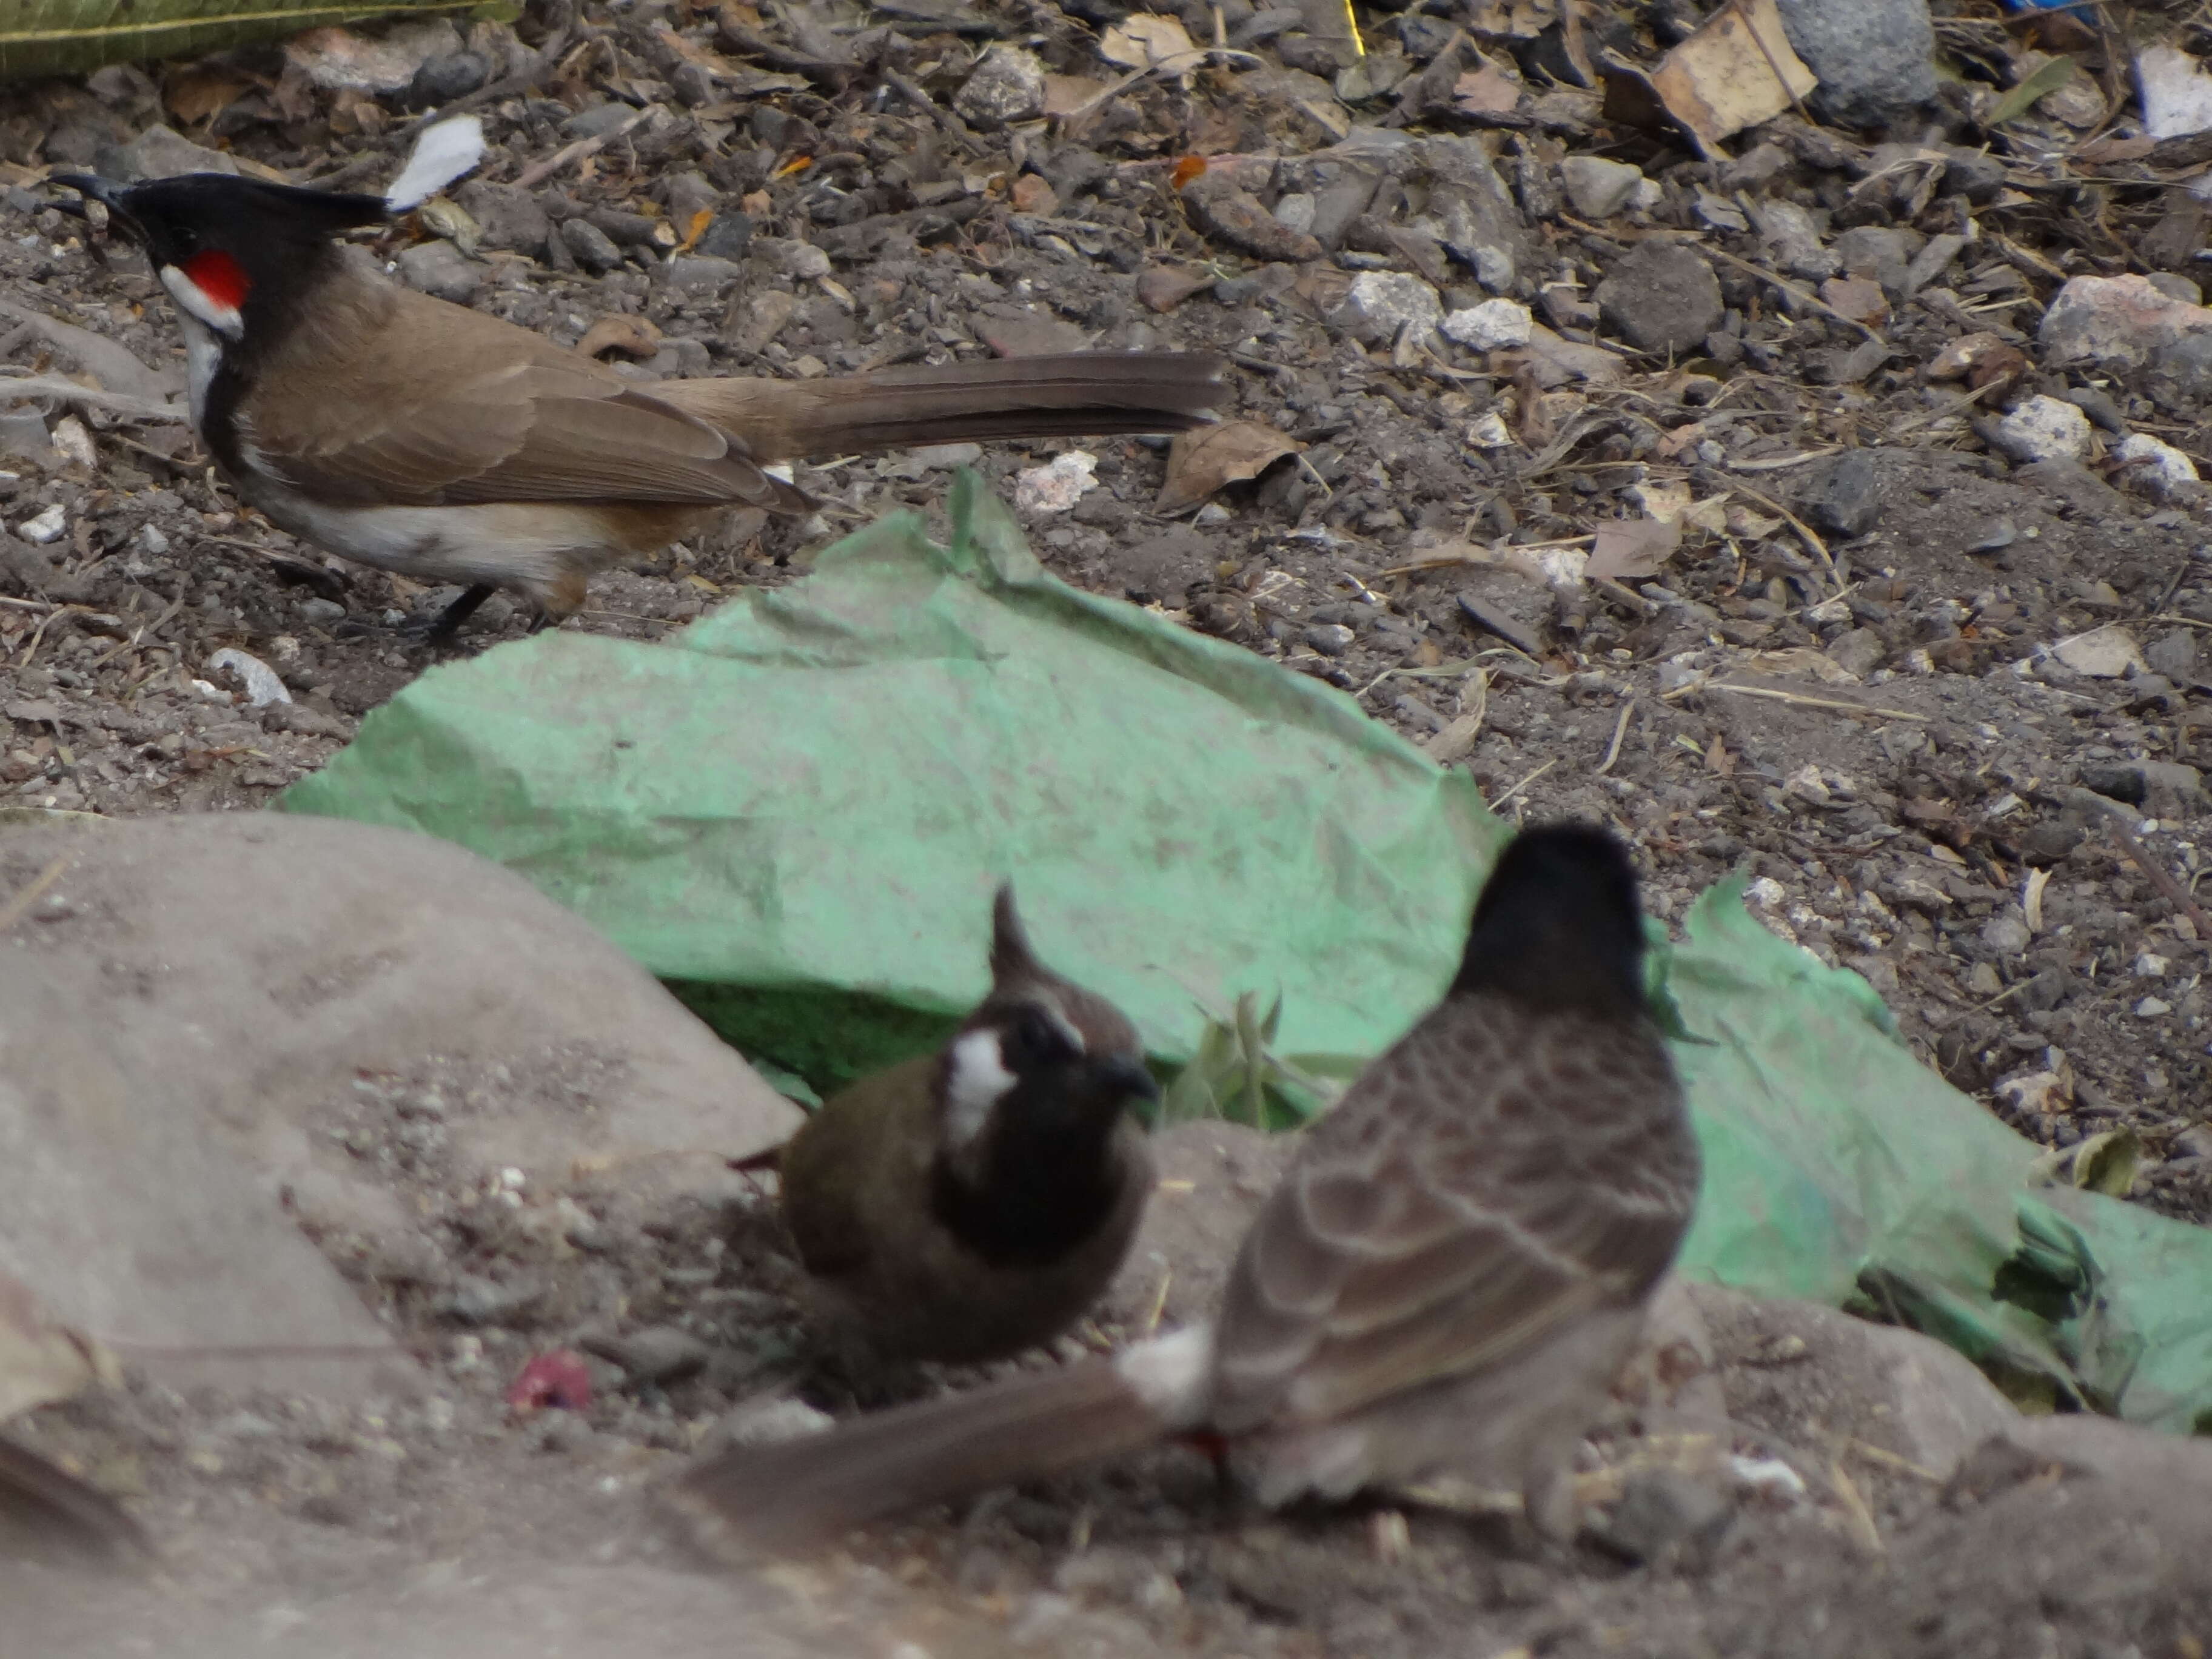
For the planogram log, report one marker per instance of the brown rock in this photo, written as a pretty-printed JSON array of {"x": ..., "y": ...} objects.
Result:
[{"x": 1230, "y": 214}]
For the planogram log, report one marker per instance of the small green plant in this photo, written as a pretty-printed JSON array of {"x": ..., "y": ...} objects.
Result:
[{"x": 1236, "y": 1074}]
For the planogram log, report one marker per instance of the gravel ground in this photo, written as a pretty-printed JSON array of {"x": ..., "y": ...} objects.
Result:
[{"x": 1841, "y": 682}]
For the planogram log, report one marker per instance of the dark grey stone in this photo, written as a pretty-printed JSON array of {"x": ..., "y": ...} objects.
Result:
[
  {"x": 1662, "y": 297},
  {"x": 590, "y": 244},
  {"x": 1845, "y": 500},
  {"x": 1875, "y": 58}
]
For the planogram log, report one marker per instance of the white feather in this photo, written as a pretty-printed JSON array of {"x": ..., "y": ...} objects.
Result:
[
  {"x": 442, "y": 153},
  {"x": 977, "y": 1078},
  {"x": 1171, "y": 1373}
]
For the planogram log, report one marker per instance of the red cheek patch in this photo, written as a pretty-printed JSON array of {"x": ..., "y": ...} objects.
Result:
[{"x": 219, "y": 276}]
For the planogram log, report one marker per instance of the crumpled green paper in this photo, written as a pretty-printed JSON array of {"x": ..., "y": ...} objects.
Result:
[{"x": 797, "y": 810}]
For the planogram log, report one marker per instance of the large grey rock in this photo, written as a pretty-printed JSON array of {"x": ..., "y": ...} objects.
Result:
[
  {"x": 1875, "y": 58},
  {"x": 1794, "y": 1366},
  {"x": 198, "y": 1002}
]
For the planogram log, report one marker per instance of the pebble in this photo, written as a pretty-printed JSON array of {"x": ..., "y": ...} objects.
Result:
[
  {"x": 1492, "y": 326},
  {"x": 655, "y": 1354},
  {"x": 597, "y": 121},
  {"x": 1296, "y": 211},
  {"x": 1597, "y": 188},
  {"x": 1059, "y": 484},
  {"x": 1007, "y": 86},
  {"x": 2173, "y": 654},
  {"x": 1874, "y": 59},
  {"x": 1662, "y": 297},
  {"x": 2109, "y": 653},
  {"x": 2116, "y": 322},
  {"x": 2148, "y": 464},
  {"x": 2044, "y": 430},
  {"x": 1227, "y": 212},
  {"x": 44, "y": 528},
  {"x": 440, "y": 270},
  {"x": 729, "y": 236},
  {"x": 1381, "y": 303},
  {"x": 74, "y": 441},
  {"x": 1845, "y": 498},
  {"x": 1330, "y": 639},
  {"x": 262, "y": 684},
  {"x": 591, "y": 247}
]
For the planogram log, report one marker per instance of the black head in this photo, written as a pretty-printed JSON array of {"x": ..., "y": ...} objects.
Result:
[
  {"x": 1038, "y": 1047},
  {"x": 1558, "y": 924},
  {"x": 1032, "y": 1088},
  {"x": 229, "y": 248}
]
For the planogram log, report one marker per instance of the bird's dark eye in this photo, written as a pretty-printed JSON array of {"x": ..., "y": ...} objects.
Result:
[{"x": 1035, "y": 1040}]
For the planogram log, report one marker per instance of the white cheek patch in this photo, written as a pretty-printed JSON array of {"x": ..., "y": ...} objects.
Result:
[
  {"x": 200, "y": 305},
  {"x": 975, "y": 1083}
]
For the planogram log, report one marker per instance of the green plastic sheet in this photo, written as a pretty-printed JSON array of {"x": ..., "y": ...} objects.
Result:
[{"x": 795, "y": 813}]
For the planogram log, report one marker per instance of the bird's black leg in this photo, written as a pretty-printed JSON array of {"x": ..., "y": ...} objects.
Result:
[{"x": 449, "y": 621}]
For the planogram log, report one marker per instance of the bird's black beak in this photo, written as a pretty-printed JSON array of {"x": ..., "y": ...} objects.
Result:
[
  {"x": 1120, "y": 1077},
  {"x": 92, "y": 188}
]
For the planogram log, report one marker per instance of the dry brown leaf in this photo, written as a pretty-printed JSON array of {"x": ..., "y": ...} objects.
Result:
[
  {"x": 632, "y": 336},
  {"x": 1630, "y": 550},
  {"x": 1162, "y": 288},
  {"x": 1484, "y": 91},
  {"x": 195, "y": 95},
  {"x": 1722, "y": 79},
  {"x": 41, "y": 1360},
  {"x": 1859, "y": 298},
  {"x": 1064, "y": 95},
  {"x": 1146, "y": 40},
  {"x": 1200, "y": 462}
]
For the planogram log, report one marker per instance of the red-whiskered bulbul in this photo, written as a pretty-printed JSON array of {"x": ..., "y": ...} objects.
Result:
[
  {"x": 1448, "y": 1279},
  {"x": 970, "y": 1203},
  {"x": 403, "y": 432}
]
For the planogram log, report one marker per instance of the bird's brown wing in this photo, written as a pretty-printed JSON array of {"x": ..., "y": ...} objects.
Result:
[
  {"x": 844, "y": 1173},
  {"x": 1492, "y": 1177},
  {"x": 476, "y": 411}
]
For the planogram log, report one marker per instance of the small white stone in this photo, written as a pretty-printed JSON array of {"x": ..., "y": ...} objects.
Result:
[
  {"x": 2109, "y": 653},
  {"x": 74, "y": 441},
  {"x": 2152, "y": 1007},
  {"x": 1383, "y": 302},
  {"x": 2156, "y": 468},
  {"x": 1488, "y": 430},
  {"x": 2046, "y": 429},
  {"x": 1057, "y": 485},
  {"x": 47, "y": 526},
  {"x": 1296, "y": 211},
  {"x": 1493, "y": 325},
  {"x": 262, "y": 684},
  {"x": 2150, "y": 966}
]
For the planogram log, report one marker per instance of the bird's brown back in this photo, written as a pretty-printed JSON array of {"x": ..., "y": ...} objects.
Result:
[{"x": 1499, "y": 1172}]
